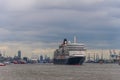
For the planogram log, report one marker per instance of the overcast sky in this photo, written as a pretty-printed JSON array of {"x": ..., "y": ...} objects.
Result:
[{"x": 32, "y": 25}]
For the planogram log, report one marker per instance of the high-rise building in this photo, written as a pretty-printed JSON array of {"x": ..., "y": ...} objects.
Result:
[
  {"x": 0, "y": 54},
  {"x": 41, "y": 58},
  {"x": 19, "y": 54}
]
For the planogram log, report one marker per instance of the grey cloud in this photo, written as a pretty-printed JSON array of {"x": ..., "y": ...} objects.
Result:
[{"x": 93, "y": 21}]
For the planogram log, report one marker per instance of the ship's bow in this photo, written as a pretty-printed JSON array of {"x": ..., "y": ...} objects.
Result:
[{"x": 76, "y": 60}]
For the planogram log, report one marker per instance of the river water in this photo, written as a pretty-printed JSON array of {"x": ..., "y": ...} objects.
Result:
[{"x": 60, "y": 72}]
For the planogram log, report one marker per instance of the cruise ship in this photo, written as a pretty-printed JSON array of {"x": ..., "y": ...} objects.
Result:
[{"x": 70, "y": 53}]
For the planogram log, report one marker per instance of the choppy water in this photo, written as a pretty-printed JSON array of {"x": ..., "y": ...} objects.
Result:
[{"x": 60, "y": 72}]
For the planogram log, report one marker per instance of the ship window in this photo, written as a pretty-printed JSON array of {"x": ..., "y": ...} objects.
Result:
[{"x": 76, "y": 49}]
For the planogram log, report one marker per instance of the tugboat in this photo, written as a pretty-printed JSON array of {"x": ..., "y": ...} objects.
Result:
[{"x": 70, "y": 53}]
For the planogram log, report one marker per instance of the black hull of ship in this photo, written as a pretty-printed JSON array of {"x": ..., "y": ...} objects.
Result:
[{"x": 70, "y": 61}]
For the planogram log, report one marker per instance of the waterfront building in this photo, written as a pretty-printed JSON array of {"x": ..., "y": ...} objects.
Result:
[{"x": 25, "y": 59}]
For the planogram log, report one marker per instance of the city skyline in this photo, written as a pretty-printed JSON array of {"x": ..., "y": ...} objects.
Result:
[{"x": 39, "y": 26}]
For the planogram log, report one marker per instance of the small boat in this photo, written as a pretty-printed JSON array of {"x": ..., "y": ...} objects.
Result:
[
  {"x": 2, "y": 64},
  {"x": 6, "y": 62}
]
